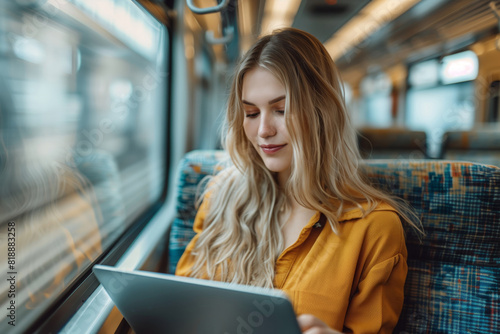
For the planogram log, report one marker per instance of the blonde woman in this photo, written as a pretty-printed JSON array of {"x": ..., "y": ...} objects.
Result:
[{"x": 293, "y": 212}]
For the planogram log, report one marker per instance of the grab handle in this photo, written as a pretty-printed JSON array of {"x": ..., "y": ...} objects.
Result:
[
  {"x": 214, "y": 9},
  {"x": 228, "y": 36}
]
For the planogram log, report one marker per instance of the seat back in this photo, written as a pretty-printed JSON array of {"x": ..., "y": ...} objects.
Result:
[
  {"x": 480, "y": 145},
  {"x": 453, "y": 283},
  {"x": 195, "y": 166},
  {"x": 392, "y": 143}
]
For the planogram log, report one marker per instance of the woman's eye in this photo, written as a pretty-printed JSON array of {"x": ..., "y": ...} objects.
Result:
[
  {"x": 252, "y": 115},
  {"x": 280, "y": 112}
]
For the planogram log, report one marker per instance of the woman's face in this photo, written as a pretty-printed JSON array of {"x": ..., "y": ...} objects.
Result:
[{"x": 264, "y": 100}]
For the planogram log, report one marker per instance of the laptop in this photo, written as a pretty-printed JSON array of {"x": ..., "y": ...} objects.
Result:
[{"x": 163, "y": 303}]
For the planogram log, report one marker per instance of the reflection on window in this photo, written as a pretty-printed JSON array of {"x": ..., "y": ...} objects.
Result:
[{"x": 81, "y": 144}]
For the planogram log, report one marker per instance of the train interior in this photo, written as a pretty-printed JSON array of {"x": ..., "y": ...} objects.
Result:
[{"x": 101, "y": 101}]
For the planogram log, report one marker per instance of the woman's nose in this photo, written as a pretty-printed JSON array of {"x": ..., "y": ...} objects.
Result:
[{"x": 266, "y": 126}]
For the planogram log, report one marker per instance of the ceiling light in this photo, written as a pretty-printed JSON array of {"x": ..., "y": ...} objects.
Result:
[
  {"x": 278, "y": 14},
  {"x": 370, "y": 19}
]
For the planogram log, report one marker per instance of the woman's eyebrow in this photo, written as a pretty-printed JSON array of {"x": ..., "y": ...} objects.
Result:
[{"x": 279, "y": 98}]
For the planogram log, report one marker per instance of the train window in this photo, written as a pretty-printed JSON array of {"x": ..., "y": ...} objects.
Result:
[
  {"x": 82, "y": 148},
  {"x": 376, "y": 100},
  {"x": 424, "y": 74},
  {"x": 439, "y": 109},
  {"x": 353, "y": 104},
  {"x": 439, "y": 103}
]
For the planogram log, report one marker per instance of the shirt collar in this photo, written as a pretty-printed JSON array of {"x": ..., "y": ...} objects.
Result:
[{"x": 351, "y": 211}]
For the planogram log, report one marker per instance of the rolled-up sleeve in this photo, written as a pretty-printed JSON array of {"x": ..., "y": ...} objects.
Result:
[
  {"x": 377, "y": 300},
  {"x": 377, "y": 303}
]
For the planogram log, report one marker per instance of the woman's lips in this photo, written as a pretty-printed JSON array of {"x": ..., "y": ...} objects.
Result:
[{"x": 270, "y": 149}]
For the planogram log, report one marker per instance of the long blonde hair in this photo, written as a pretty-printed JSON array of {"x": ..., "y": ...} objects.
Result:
[{"x": 242, "y": 237}]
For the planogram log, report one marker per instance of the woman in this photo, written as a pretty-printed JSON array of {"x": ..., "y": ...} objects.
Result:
[{"x": 296, "y": 161}]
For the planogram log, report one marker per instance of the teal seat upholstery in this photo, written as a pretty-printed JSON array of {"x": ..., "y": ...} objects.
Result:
[
  {"x": 192, "y": 170},
  {"x": 453, "y": 283}
]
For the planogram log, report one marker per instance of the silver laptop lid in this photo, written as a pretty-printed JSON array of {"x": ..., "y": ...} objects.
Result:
[{"x": 163, "y": 303}]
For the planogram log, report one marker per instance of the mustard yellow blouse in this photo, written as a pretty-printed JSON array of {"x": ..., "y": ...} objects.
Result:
[{"x": 353, "y": 281}]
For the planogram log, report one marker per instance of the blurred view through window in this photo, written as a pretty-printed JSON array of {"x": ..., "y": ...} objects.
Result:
[
  {"x": 441, "y": 97},
  {"x": 82, "y": 116}
]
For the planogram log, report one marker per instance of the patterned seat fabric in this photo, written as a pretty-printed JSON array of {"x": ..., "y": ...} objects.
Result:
[
  {"x": 195, "y": 166},
  {"x": 453, "y": 283}
]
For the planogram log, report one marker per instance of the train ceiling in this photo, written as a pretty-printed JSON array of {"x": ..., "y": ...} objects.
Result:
[
  {"x": 430, "y": 28},
  {"x": 322, "y": 18}
]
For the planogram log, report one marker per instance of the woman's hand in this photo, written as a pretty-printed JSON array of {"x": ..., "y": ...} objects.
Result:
[{"x": 309, "y": 324}]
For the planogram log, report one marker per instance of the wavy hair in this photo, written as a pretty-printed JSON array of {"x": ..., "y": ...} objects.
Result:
[{"x": 241, "y": 238}]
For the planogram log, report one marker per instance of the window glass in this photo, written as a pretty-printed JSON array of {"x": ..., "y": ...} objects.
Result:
[
  {"x": 425, "y": 74},
  {"x": 439, "y": 109},
  {"x": 82, "y": 126},
  {"x": 377, "y": 100}
]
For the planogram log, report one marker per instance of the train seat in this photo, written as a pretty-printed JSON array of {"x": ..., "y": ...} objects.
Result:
[
  {"x": 392, "y": 143},
  {"x": 479, "y": 145},
  {"x": 195, "y": 166},
  {"x": 454, "y": 271}
]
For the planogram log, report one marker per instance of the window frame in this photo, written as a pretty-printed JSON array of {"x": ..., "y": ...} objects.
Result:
[{"x": 85, "y": 292}]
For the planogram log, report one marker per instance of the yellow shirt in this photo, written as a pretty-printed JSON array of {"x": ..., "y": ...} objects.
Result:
[{"x": 353, "y": 281}]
